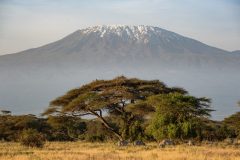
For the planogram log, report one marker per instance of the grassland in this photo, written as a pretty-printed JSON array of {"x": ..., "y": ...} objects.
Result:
[{"x": 109, "y": 151}]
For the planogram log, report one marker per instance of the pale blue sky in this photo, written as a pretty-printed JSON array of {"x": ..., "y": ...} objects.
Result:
[{"x": 31, "y": 23}]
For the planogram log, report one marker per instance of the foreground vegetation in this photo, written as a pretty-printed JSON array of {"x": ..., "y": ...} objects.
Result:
[
  {"x": 109, "y": 151},
  {"x": 122, "y": 109}
]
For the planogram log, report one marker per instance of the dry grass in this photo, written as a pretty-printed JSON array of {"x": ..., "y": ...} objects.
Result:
[{"x": 107, "y": 151}]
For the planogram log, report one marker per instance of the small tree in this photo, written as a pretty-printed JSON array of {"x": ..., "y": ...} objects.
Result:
[
  {"x": 177, "y": 115},
  {"x": 233, "y": 122},
  {"x": 32, "y": 138}
]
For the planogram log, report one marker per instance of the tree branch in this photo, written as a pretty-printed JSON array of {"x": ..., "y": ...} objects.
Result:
[{"x": 105, "y": 123}]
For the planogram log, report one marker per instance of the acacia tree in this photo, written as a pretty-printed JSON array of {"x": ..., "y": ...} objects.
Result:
[
  {"x": 177, "y": 115},
  {"x": 233, "y": 122},
  {"x": 121, "y": 97}
]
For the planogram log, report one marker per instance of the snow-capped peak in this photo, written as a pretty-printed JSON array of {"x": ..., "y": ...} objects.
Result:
[{"x": 138, "y": 33}]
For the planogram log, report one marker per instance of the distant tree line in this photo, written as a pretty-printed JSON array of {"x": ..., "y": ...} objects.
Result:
[{"x": 121, "y": 109}]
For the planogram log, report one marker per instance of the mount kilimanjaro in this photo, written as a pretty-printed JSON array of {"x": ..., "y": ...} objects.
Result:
[
  {"x": 120, "y": 45},
  {"x": 31, "y": 78}
]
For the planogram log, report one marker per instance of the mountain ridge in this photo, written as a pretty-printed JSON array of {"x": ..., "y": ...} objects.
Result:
[
  {"x": 109, "y": 44},
  {"x": 111, "y": 27}
]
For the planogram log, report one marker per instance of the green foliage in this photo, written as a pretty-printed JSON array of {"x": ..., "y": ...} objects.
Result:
[
  {"x": 96, "y": 132},
  {"x": 12, "y": 126},
  {"x": 65, "y": 128},
  {"x": 157, "y": 127},
  {"x": 173, "y": 131},
  {"x": 215, "y": 131},
  {"x": 31, "y": 138},
  {"x": 136, "y": 131},
  {"x": 177, "y": 115},
  {"x": 233, "y": 123},
  {"x": 127, "y": 109},
  {"x": 120, "y": 97},
  {"x": 187, "y": 129},
  {"x": 95, "y": 138}
]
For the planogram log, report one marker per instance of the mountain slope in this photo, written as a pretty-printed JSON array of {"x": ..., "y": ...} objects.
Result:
[
  {"x": 236, "y": 52},
  {"x": 123, "y": 45}
]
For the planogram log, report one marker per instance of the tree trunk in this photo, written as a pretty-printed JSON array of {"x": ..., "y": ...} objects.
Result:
[{"x": 106, "y": 124}]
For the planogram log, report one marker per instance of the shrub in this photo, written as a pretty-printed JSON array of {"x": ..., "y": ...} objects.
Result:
[
  {"x": 96, "y": 132},
  {"x": 177, "y": 116},
  {"x": 95, "y": 138},
  {"x": 32, "y": 138}
]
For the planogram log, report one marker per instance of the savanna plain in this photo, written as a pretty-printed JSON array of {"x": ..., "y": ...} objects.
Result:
[{"x": 110, "y": 151}]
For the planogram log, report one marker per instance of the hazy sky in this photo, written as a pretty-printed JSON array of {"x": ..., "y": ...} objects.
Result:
[{"x": 26, "y": 24}]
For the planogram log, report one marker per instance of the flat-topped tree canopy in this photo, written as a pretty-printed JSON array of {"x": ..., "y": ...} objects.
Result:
[
  {"x": 121, "y": 96},
  {"x": 109, "y": 95}
]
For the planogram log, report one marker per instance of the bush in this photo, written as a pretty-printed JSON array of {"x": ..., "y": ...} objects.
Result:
[
  {"x": 32, "y": 138},
  {"x": 177, "y": 116},
  {"x": 96, "y": 132},
  {"x": 95, "y": 138}
]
